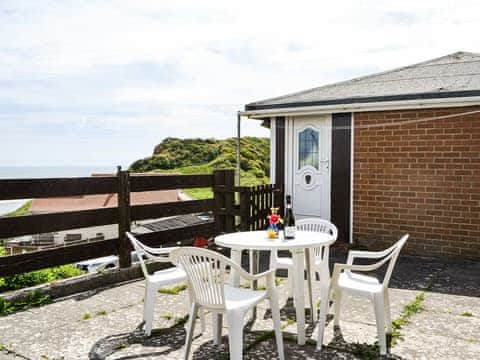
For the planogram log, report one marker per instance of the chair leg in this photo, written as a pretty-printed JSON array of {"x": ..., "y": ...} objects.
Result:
[
  {"x": 190, "y": 329},
  {"x": 337, "y": 303},
  {"x": 250, "y": 261},
  {"x": 201, "y": 312},
  {"x": 277, "y": 324},
  {"x": 324, "y": 290},
  {"x": 148, "y": 307},
  {"x": 235, "y": 334},
  {"x": 217, "y": 321},
  {"x": 203, "y": 326},
  {"x": 379, "y": 307},
  {"x": 388, "y": 316}
]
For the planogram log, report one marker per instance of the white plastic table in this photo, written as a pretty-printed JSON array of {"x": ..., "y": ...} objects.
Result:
[{"x": 303, "y": 242}]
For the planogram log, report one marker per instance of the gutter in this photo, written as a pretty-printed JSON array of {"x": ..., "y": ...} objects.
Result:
[{"x": 360, "y": 105}]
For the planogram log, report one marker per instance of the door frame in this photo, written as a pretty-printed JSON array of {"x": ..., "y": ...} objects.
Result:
[{"x": 291, "y": 152}]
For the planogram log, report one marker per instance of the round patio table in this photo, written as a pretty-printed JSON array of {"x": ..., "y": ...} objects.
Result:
[{"x": 300, "y": 249}]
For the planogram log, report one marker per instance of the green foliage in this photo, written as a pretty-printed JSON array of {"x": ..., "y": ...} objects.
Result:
[
  {"x": 6, "y": 307},
  {"x": 34, "y": 299},
  {"x": 23, "y": 210},
  {"x": 203, "y": 155},
  {"x": 2, "y": 251},
  {"x": 38, "y": 277},
  {"x": 467, "y": 314},
  {"x": 86, "y": 316}
]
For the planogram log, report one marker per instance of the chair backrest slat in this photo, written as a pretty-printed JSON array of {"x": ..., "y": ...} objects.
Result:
[
  {"x": 392, "y": 258},
  {"x": 321, "y": 226},
  {"x": 150, "y": 253},
  {"x": 206, "y": 274}
]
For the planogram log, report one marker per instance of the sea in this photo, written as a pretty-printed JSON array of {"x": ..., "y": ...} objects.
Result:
[{"x": 30, "y": 172}]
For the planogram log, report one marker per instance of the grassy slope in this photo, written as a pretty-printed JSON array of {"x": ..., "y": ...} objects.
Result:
[{"x": 202, "y": 156}]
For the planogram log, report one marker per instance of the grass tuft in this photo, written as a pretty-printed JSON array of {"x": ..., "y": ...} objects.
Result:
[
  {"x": 467, "y": 314},
  {"x": 409, "y": 310},
  {"x": 174, "y": 290}
]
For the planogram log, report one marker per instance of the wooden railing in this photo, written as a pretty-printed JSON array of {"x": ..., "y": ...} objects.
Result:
[
  {"x": 255, "y": 204},
  {"x": 122, "y": 215},
  {"x": 250, "y": 206}
]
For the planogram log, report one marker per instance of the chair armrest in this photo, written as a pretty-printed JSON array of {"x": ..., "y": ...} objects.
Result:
[
  {"x": 370, "y": 267},
  {"x": 160, "y": 251},
  {"x": 250, "y": 277},
  {"x": 352, "y": 254},
  {"x": 338, "y": 268}
]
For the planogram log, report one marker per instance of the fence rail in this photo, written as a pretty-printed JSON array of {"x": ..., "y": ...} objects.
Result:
[
  {"x": 122, "y": 215},
  {"x": 252, "y": 209}
]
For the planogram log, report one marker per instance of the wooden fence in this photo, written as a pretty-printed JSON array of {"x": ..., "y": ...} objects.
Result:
[
  {"x": 255, "y": 204},
  {"x": 252, "y": 210}
]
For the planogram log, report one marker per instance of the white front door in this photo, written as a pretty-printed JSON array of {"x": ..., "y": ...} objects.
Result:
[{"x": 312, "y": 142}]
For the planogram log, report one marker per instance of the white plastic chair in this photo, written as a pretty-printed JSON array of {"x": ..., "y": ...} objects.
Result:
[
  {"x": 319, "y": 257},
  {"x": 206, "y": 272},
  {"x": 345, "y": 279},
  {"x": 153, "y": 282}
]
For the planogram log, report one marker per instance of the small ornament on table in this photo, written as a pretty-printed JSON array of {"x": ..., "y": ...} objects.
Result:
[{"x": 274, "y": 220}]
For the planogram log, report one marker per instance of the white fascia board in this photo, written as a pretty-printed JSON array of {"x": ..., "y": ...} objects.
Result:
[{"x": 361, "y": 107}]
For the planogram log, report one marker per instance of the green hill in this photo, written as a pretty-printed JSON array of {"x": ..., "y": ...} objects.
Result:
[{"x": 200, "y": 156}]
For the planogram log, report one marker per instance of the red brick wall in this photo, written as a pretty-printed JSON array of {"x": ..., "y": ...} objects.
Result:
[{"x": 421, "y": 177}]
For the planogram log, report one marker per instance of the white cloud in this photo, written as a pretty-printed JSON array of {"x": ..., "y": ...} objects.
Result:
[{"x": 184, "y": 68}]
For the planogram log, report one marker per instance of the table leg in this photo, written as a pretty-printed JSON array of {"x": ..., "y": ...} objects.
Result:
[
  {"x": 217, "y": 322},
  {"x": 236, "y": 256},
  {"x": 324, "y": 296},
  {"x": 310, "y": 278},
  {"x": 298, "y": 268}
]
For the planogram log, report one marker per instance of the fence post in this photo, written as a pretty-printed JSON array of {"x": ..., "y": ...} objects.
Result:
[
  {"x": 124, "y": 218},
  {"x": 245, "y": 208},
  {"x": 278, "y": 198},
  {"x": 224, "y": 200}
]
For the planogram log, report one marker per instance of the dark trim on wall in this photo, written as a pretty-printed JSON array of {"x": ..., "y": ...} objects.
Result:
[
  {"x": 280, "y": 153},
  {"x": 367, "y": 99},
  {"x": 341, "y": 174}
]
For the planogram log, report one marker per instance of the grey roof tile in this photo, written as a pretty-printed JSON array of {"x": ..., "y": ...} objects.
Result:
[{"x": 459, "y": 71}]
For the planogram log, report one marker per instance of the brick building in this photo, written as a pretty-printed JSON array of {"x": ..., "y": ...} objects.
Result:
[{"x": 386, "y": 154}]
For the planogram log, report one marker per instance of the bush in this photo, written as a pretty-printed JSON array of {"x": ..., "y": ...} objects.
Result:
[
  {"x": 38, "y": 277},
  {"x": 173, "y": 154}
]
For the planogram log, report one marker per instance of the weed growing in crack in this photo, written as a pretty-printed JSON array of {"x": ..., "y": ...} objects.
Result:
[{"x": 174, "y": 290}]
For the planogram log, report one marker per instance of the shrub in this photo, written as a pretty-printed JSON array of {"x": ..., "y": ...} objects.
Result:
[{"x": 38, "y": 277}]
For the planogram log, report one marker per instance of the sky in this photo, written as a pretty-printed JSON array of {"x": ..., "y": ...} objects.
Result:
[{"x": 102, "y": 82}]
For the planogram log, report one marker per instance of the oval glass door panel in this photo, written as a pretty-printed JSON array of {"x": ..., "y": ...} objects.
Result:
[{"x": 308, "y": 148}]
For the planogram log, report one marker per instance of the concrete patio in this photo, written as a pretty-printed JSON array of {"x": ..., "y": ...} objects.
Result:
[{"x": 106, "y": 323}]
